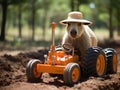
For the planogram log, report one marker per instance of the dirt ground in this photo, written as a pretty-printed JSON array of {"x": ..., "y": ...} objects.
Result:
[{"x": 13, "y": 77}]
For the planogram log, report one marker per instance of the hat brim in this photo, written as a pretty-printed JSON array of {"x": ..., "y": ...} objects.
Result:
[{"x": 86, "y": 22}]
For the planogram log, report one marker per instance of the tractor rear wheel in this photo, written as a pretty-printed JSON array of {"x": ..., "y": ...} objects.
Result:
[
  {"x": 111, "y": 60},
  {"x": 94, "y": 62},
  {"x": 71, "y": 74},
  {"x": 31, "y": 71}
]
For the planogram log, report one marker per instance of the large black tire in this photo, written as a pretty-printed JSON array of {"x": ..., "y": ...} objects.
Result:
[
  {"x": 32, "y": 74},
  {"x": 72, "y": 74},
  {"x": 94, "y": 62},
  {"x": 111, "y": 60}
]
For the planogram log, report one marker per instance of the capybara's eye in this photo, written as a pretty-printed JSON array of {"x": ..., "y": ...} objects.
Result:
[
  {"x": 79, "y": 24},
  {"x": 68, "y": 24}
]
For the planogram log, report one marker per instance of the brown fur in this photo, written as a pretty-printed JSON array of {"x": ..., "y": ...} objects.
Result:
[{"x": 84, "y": 39}]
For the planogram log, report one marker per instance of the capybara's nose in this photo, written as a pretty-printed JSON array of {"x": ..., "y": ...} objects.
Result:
[{"x": 73, "y": 32}]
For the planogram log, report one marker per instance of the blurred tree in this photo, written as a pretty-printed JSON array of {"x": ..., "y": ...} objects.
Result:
[
  {"x": 21, "y": 7},
  {"x": 33, "y": 10},
  {"x": 46, "y": 7},
  {"x": 117, "y": 14},
  {"x": 110, "y": 11},
  {"x": 56, "y": 14},
  {"x": 34, "y": 6},
  {"x": 113, "y": 5},
  {"x": 118, "y": 20},
  {"x": 74, "y": 4},
  {"x": 19, "y": 20},
  {"x": 110, "y": 6},
  {"x": 4, "y": 4}
]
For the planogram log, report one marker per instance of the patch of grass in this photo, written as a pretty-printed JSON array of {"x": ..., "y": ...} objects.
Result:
[
  {"x": 102, "y": 33},
  {"x": 12, "y": 34},
  {"x": 25, "y": 41}
]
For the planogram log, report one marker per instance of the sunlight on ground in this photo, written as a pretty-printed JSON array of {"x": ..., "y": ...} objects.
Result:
[
  {"x": 18, "y": 45},
  {"x": 12, "y": 34},
  {"x": 104, "y": 34}
]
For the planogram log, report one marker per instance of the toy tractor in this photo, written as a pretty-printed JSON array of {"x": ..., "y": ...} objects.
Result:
[{"x": 96, "y": 62}]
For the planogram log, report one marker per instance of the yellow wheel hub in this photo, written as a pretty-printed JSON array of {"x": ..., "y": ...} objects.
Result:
[
  {"x": 100, "y": 67},
  {"x": 75, "y": 74},
  {"x": 115, "y": 63}
]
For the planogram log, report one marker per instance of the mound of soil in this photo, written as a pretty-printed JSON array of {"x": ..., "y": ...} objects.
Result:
[
  {"x": 12, "y": 68},
  {"x": 13, "y": 77}
]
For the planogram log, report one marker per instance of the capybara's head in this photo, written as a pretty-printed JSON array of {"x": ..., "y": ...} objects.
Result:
[
  {"x": 75, "y": 29},
  {"x": 75, "y": 24}
]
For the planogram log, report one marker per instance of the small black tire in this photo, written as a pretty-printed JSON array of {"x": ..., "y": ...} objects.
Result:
[
  {"x": 111, "y": 56},
  {"x": 32, "y": 74},
  {"x": 94, "y": 62},
  {"x": 28, "y": 68},
  {"x": 72, "y": 74}
]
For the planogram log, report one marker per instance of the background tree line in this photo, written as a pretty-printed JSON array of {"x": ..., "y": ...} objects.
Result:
[{"x": 39, "y": 13}]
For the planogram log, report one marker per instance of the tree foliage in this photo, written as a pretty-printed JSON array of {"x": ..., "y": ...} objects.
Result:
[
  {"x": 34, "y": 13},
  {"x": 4, "y": 4}
]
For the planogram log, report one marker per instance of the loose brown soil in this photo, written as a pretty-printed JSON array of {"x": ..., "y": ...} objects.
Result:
[{"x": 13, "y": 77}]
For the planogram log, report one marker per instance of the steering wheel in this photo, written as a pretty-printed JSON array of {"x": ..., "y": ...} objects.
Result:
[{"x": 67, "y": 47}]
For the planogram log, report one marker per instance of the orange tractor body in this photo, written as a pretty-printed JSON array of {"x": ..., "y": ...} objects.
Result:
[{"x": 56, "y": 62}]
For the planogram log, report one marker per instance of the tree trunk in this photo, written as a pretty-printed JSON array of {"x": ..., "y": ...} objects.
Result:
[
  {"x": 44, "y": 24},
  {"x": 19, "y": 21},
  {"x": 33, "y": 19},
  {"x": 118, "y": 22},
  {"x": 77, "y": 6},
  {"x": 72, "y": 5},
  {"x": 110, "y": 24},
  {"x": 4, "y": 16}
]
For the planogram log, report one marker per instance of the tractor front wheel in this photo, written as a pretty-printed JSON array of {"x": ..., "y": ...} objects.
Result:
[
  {"x": 31, "y": 71},
  {"x": 71, "y": 74}
]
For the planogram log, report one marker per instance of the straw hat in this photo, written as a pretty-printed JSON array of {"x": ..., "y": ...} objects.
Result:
[{"x": 75, "y": 17}]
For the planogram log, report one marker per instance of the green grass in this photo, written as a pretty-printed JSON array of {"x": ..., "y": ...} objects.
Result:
[
  {"x": 26, "y": 40},
  {"x": 101, "y": 33},
  {"x": 12, "y": 33},
  {"x": 12, "y": 36},
  {"x": 104, "y": 34}
]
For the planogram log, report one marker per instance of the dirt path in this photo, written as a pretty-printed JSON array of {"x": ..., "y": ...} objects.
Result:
[{"x": 12, "y": 76}]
